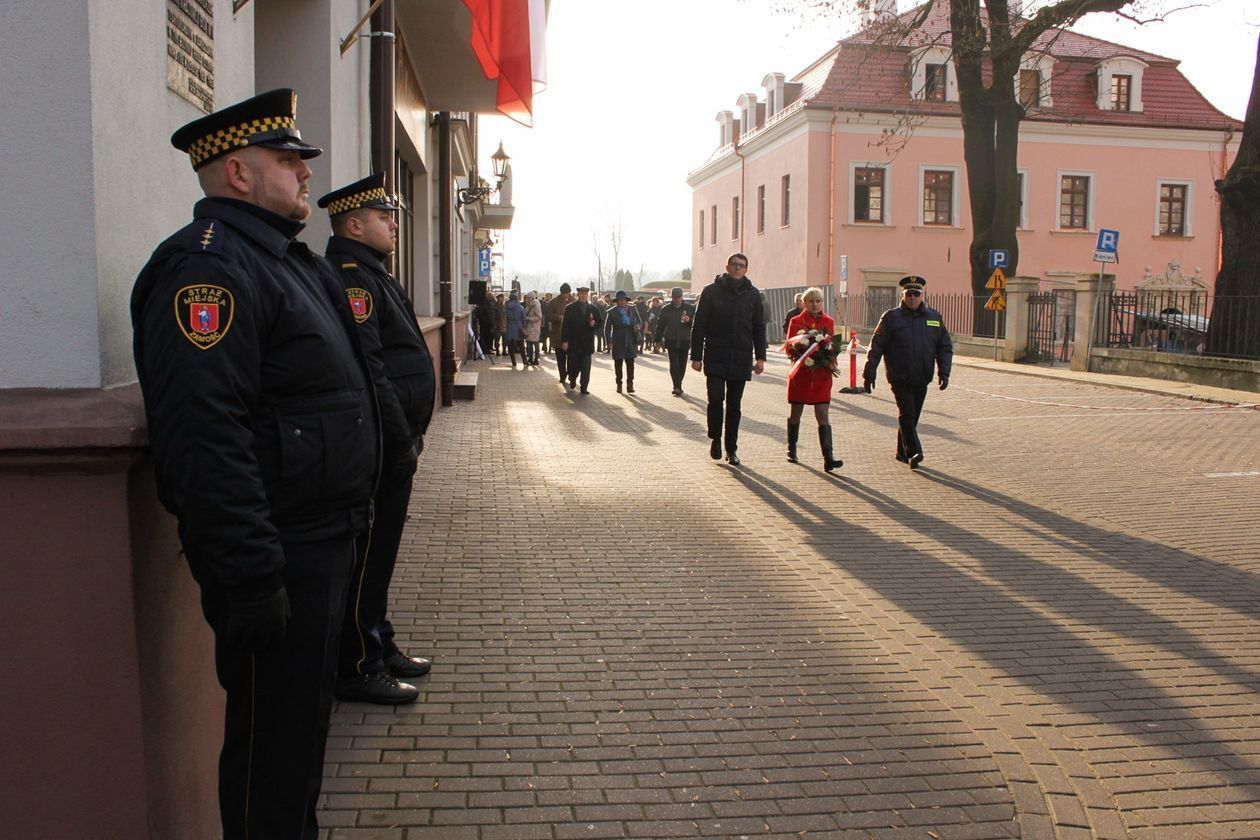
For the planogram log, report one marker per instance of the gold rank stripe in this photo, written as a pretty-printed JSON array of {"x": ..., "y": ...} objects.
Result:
[
  {"x": 234, "y": 137},
  {"x": 354, "y": 202}
]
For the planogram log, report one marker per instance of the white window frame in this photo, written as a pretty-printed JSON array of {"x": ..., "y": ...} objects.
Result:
[
  {"x": 924, "y": 168},
  {"x": 1121, "y": 65},
  {"x": 1089, "y": 206},
  {"x": 1023, "y": 197},
  {"x": 935, "y": 54},
  {"x": 785, "y": 206},
  {"x": 702, "y": 230},
  {"x": 1188, "y": 183},
  {"x": 1043, "y": 64},
  {"x": 713, "y": 225},
  {"x": 726, "y": 123},
  {"x": 761, "y": 209},
  {"x": 855, "y": 165},
  {"x": 735, "y": 218}
]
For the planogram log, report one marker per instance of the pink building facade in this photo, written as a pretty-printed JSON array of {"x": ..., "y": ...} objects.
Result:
[{"x": 853, "y": 170}]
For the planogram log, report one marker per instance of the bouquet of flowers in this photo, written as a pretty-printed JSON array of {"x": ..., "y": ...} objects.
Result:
[{"x": 814, "y": 349}]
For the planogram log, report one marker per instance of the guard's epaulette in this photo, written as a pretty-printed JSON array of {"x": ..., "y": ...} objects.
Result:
[
  {"x": 205, "y": 236},
  {"x": 350, "y": 265}
]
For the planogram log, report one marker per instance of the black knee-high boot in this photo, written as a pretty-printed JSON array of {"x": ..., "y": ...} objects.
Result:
[
  {"x": 794, "y": 434},
  {"x": 824, "y": 439}
]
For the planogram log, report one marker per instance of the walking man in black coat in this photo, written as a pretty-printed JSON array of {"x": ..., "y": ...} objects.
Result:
[
  {"x": 673, "y": 329},
  {"x": 912, "y": 339},
  {"x": 263, "y": 423},
  {"x": 364, "y": 235},
  {"x": 577, "y": 337},
  {"x": 728, "y": 333}
]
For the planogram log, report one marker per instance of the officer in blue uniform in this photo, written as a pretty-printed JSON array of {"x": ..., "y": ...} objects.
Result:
[
  {"x": 913, "y": 341},
  {"x": 364, "y": 233},
  {"x": 264, "y": 428}
]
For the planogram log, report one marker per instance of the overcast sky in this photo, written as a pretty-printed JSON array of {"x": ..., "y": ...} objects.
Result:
[{"x": 633, "y": 89}]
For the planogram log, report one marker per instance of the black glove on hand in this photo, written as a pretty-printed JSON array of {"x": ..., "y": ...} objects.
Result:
[
  {"x": 255, "y": 623},
  {"x": 868, "y": 384},
  {"x": 944, "y": 383}
]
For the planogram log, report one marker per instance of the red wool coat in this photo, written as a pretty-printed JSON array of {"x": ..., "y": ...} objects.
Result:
[{"x": 810, "y": 385}]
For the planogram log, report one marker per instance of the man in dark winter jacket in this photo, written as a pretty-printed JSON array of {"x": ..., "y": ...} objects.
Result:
[
  {"x": 728, "y": 333},
  {"x": 577, "y": 337},
  {"x": 673, "y": 329},
  {"x": 912, "y": 339},
  {"x": 364, "y": 232},
  {"x": 262, "y": 416}
]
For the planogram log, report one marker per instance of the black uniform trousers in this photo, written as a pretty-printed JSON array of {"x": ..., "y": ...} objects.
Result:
[
  {"x": 629, "y": 366},
  {"x": 367, "y": 637},
  {"x": 580, "y": 365},
  {"x": 909, "y": 406},
  {"x": 279, "y": 699},
  {"x": 562, "y": 362},
  {"x": 730, "y": 391},
  {"x": 678, "y": 364}
]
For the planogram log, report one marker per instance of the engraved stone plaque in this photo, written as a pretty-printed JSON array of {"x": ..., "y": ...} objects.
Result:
[{"x": 190, "y": 51}]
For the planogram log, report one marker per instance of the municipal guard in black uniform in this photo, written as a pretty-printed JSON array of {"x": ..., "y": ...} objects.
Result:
[
  {"x": 265, "y": 441},
  {"x": 913, "y": 341},
  {"x": 364, "y": 234}
]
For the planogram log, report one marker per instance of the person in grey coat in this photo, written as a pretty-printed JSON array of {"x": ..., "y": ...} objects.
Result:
[
  {"x": 623, "y": 329},
  {"x": 727, "y": 335}
]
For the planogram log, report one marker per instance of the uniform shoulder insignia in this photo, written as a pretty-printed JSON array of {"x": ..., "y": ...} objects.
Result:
[
  {"x": 204, "y": 313},
  {"x": 360, "y": 304},
  {"x": 350, "y": 265},
  {"x": 205, "y": 236}
]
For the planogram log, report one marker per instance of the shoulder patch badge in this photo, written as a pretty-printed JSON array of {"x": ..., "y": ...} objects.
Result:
[
  {"x": 350, "y": 265},
  {"x": 933, "y": 323},
  {"x": 204, "y": 314},
  {"x": 360, "y": 304},
  {"x": 207, "y": 238}
]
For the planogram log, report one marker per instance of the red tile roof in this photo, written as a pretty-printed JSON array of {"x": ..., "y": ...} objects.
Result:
[{"x": 872, "y": 74}]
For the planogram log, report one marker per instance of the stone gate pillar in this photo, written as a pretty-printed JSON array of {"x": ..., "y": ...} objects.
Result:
[
  {"x": 1018, "y": 289},
  {"x": 1091, "y": 292}
]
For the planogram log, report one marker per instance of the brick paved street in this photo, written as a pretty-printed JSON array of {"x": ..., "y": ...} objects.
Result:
[{"x": 1051, "y": 630}]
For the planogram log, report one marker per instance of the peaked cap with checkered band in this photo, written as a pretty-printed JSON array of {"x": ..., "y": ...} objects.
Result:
[
  {"x": 365, "y": 192},
  {"x": 268, "y": 119}
]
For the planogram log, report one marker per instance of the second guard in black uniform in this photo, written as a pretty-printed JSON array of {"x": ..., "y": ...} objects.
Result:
[
  {"x": 263, "y": 425},
  {"x": 364, "y": 233},
  {"x": 912, "y": 341}
]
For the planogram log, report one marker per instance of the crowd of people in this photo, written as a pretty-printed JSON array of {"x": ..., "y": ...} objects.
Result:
[{"x": 287, "y": 395}]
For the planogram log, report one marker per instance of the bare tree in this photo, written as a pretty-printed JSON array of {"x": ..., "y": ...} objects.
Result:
[
  {"x": 1232, "y": 330},
  {"x": 599, "y": 262},
  {"x": 614, "y": 238}
]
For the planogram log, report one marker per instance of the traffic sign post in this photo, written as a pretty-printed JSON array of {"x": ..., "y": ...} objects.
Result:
[
  {"x": 1107, "y": 250},
  {"x": 997, "y": 300}
]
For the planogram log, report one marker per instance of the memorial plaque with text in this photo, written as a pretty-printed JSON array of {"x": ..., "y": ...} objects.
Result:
[{"x": 190, "y": 51}]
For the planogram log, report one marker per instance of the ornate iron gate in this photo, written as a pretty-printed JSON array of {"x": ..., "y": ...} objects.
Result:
[{"x": 1050, "y": 326}]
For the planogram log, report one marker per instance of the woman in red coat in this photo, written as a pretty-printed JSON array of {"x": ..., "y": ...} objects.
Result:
[{"x": 810, "y": 384}]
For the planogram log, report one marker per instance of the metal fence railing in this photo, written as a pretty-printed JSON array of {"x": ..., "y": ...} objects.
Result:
[
  {"x": 1182, "y": 322},
  {"x": 958, "y": 311}
]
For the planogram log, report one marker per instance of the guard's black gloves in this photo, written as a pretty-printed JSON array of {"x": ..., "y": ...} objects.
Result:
[
  {"x": 944, "y": 383},
  {"x": 256, "y": 622},
  {"x": 868, "y": 384}
]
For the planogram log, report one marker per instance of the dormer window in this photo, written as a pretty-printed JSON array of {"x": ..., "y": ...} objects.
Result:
[
  {"x": 728, "y": 126},
  {"x": 1032, "y": 84},
  {"x": 1120, "y": 84},
  {"x": 932, "y": 75},
  {"x": 747, "y": 104},
  {"x": 773, "y": 84}
]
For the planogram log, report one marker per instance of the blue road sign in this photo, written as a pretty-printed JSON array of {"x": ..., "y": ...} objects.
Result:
[
  {"x": 999, "y": 258},
  {"x": 483, "y": 262},
  {"x": 1108, "y": 248}
]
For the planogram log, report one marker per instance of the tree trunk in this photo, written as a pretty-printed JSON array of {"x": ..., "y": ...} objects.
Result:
[{"x": 1235, "y": 326}]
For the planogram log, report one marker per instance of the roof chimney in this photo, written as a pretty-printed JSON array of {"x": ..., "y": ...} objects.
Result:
[{"x": 874, "y": 12}]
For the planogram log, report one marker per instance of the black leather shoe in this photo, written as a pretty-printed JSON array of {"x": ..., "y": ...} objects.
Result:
[
  {"x": 585, "y": 391},
  {"x": 915, "y": 460},
  {"x": 902, "y": 458},
  {"x": 383, "y": 689},
  {"x": 732, "y": 459},
  {"x": 630, "y": 388},
  {"x": 618, "y": 387},
  {"x": 408, "y": 667},
  {"x": 715, "y": 450}
]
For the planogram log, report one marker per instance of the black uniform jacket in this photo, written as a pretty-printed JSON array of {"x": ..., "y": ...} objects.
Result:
[
  {"x": 670, "y": 327},
  {"x": 577, "y": 330},
  {"x": 911, "y": 342},
  {"x": 729, "y": 328},
  {"x": 259, "y": 403},
  {"x": 391, "y": 338}
]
